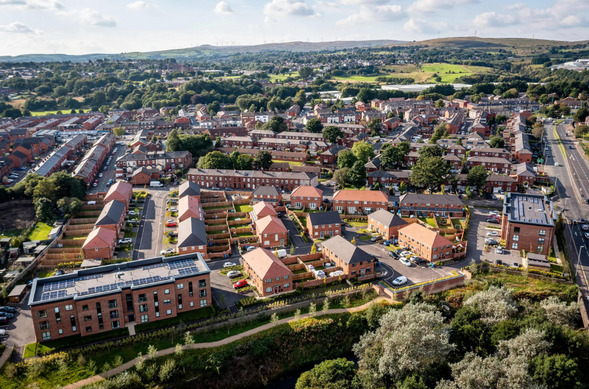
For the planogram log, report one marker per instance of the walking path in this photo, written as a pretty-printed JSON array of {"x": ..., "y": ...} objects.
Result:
[{"x": 231, "y": 339}]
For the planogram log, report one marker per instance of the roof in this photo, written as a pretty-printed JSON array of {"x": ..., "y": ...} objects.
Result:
[
  {"x": 265, "y": 264},
  {"x": 306, "y": 191},
  {"x": 122, "y": 188},
  {"x": 529, "y": 209},
  {"x": 345, "y": 250},
  {"x": 262, "y": 209},
  {"x": 100, "y": 237},
  {"x": 112, "y": 279},
  {"x": 189, "y": 205},
  {"x": 266, "y": 190},
  {"x": 430, "y": 199},
  {"x": 497, "y": 160},
  {"x": 524, "y": 169},
  {"x": 424, "y": 235},
  {"x": 360, "y": 195},
  {"x": 251, "y": 173},
  {"x": 192, "y": 232},
  {"x": 320, "y": 218},
  {"x": 387, "y": 218},
  {"x": 270, "y": 225},
  {"x": 188, "y": 188},
  {"x": 111, "y": 213}
]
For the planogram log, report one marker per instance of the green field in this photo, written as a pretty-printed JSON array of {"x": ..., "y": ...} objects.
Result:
[
  {"x": 40, "y": 232},
  {"x": 282, "y": 77},
  {"x": 358, "y": 78},
  {"x": 63, "y": 111},
  {"x": 447, "y": 72},
  {"x": 243, "y": 208}
]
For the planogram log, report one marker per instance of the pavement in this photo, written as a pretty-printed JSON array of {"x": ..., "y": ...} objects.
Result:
[
  {"x": 149, "y": 241},
  {"x": 108, "y": 174},
  {"x": 222, "y": 289},
  {"x": 20, "y": 330}
]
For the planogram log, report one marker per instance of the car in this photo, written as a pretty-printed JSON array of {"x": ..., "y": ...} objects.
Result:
[
  {"x": 375, "y": 238},
  {"x": 585, "y": 227},
  {"x": 233, "y": 273},
  {"x": 229, "y": 264},
  {"x": 171, "y": 223},
  {"x": 173, "y": 209},
  {"x": 493, "y": 213},
  {"x": 499, "y": 250},
  {"x": 492, "y": 220},
  {"x": 95, "y": 185},
  {"x": 125, "y": 241},
  {"x": 167, "y": 251},
  {"x": 394, "y": 255},
  {"x": 399, "y": 281},
  {"x": 491, "y": 242},
  {"x": 405, "y": 253},
  {"x": 492, "y": 233},
  {"x": 419, "y": 261},
  {"x": 582, "y": 221},
  {"x": 586, "y": 235},
  {"x": 515, "y": 264},
  {"x": 498, "y": 262},
  {"x": 250, "y": 248},
  {"x": 240, "y": 284},
  {"x": 8, "y": 315},
  {"x": 570, "y": 147},
  {"x": 173, "y": 234},
  {"x": 556, "y": 164},
  {"x": 132, "y": 213},
  {"x": 3, "y": 320},
  {"x": 405, "y": 261},
  {"x": 8, "y": 309},
  {"x": 105, "y": 168}
]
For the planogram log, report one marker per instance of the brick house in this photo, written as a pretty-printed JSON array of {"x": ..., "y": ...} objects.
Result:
[
  {"x": 112, "y": 216},
  {"x": 354, "y": 261},
  {"x": 267, "y": 273},
  {"x": 188, "y": 188},
  {"x": 385, "y": 223},
  {"x": 249, "y": 179},
  {"x": 104, "y": 298},
  {"x": 100, "y": 244},
  {"x": 262, "y": 209},
  {"x": 271, "y": 232},
  {"x": 528, "y": 223},
  {"x": 425, "y": 243},
  {"x": 324, "y": 224},
  {"x": 524, "y": 174},
  {"x": 266, "y": 193},
  {"x": 329, "y": 156},
  {"x": 359, "y": 201},
  {"x": 489, "y": 152},
  {"x": 121, "y": 191},
  {"x": 192, "y": 237},
  {"x": 189, "y": 207},
  {"x": 141, "y": 176},
  {"x": 306, "y": 197},
  {"x": 427, "y": 204},
  {"x": 493, "y": 164},
  {"x": 496, "y": 183}
]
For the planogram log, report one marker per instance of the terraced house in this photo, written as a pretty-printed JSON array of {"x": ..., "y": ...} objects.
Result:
[
  {"x": 352, "y": 202},
  {"x": 306, "y": 197},
  {"x": 430, "y": 204}
]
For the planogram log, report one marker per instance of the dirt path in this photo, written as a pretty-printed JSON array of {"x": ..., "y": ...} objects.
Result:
[{"x": 172, "y": 350}]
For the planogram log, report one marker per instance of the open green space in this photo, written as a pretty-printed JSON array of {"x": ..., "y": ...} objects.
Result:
[
  {"x": 447, "y": 72},
  {"x": 243, "y": 208},
  {"x": 11, "y": 233},
  {"x": 282, "y": 77},
  {"x": 54, "y": 112},
  {"x": 40, "y": 232},
  {"x": 294, "y": 163},
  {"x": 184, "y": 317}
]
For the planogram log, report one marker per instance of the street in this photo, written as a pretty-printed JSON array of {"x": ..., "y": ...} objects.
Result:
[{"x": 149, "y": 241}]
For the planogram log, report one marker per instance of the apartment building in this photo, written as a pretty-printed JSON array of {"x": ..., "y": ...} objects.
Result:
[{"x": 425, "y": 243}]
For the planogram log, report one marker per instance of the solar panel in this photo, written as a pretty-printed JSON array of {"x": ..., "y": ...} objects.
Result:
[
  {"x": 188, "y": 270},
  {"x": 154, "y": 266},
  {"x": 180, "y": 264}
]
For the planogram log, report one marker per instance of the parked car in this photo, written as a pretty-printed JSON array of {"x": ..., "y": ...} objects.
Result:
[
  {"x": 498, "y": 262},
  {"x": 100, "y": 175},
  {"x": 585, "y": 227},
  {"x": 233, "y": 273},
  {"x": 399, "y": 281},
  {"x": 491, "y": 242},
  {"x": 405, "y": 262},
  {"x": 375, "y": 238},
  {"x": 394, "y": 255},
  {"x": 9, "y": 315},
  {"x": 492, "y": 220},
  {"x": 173, "y": 234},
  {"x": 171, "y": 223},
  {"x": 493, "y": 213},
  {"x": 173, "y": 209},
  {"x": 132, "y": 213},
  {"x": 3, "y": 320},
  {"x": 125, "y": 241},
  {"x": 240, "y": 284},
  {"x": 492, "y": 233},
  {"x": 418, "y": 261},
  {"x": 8, "y": 309},
  {"x": 499, "y": 250},
  {"x": 586, "y": 234},
  {"x": 229, "y": 264},
  {"x": 405, "y": 253},
  {"x": 167, "y": 251}
]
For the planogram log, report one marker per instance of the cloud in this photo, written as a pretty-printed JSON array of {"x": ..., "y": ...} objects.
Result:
[
  {"x": 90, "y": 17},
  {"x": 278, "y": 8},
  {"x": 420, "y": 26},
  {"x": 16, "y": 28},
  {"x": 364, "y": 2},
  {"x": 222, "y": 8},
  {"x": 379, "y": 13},
  {"x": 138, "y": 5},
  {"x": 12, "y": 2},
  {"x": 493, "y": 19},
  {"x": 430, "y": 6},
  {"x": 44, "y": 4}
]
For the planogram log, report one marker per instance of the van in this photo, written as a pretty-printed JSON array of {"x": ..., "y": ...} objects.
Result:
[
  {"x": 91, "y": 202},
  {"x": 155, "y": 184},
  {"x": 281, "y": 253}
]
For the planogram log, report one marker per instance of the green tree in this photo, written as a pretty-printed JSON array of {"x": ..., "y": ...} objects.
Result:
[
  {"x": 357, "y": 175},
  {"x": 300, "y": 98},
  {"x": 244, "y": 162},
  {"x": 44, "y": 210},
  {"x": 331, "y": 134},
  {"x": 173, "y": 141},
  {"x": 45, "y": 188},
  {"x": 263, "y": 160},
  {"x": 314, "y": 125},
  {"x": 363, "y": 151},
  {"x": 330, "y": 374},
  {"x": 555, "y": 371},
  {"x": 430, "y": 172},
  {"x": 341, "y": 177},
  {"x": 276, "y": 124},
  {"x": 118, "y": 131},
  {"x": 215, "y": 160},
  {"x": 375, "y": 127},
  {"x": 346, "y": 159},
  {"x": 440, "y": 132},
  {"x": 305, "y": 72},
  {"x": 496, "y": 141},
  {"x": 477, "y": 176},
  {"x": 538, "y": 130},
  {"x": 581, "y": 130},
  {"x": 581, "y": 114},
  {"x": 431, "y": 151}
]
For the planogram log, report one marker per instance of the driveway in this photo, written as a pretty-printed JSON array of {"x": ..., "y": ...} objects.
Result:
[
  {"x": 301, "y": 247},
  {"x": 150, "y": 235},
  {"x": 222, "y": 286},
  {"x": 20, "y": 330}
]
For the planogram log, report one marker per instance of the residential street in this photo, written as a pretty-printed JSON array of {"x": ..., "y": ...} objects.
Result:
[{"x": 149, "y": 241}]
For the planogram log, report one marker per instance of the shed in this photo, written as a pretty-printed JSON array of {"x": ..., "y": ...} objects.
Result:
[
  {"x": 536, "y": 261},
  {"x": 17, "y": 294}
]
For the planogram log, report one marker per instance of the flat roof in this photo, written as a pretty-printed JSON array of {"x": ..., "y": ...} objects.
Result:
[
  {"x": 529, "y": 209},
  {"x": 111, "y": 279}
]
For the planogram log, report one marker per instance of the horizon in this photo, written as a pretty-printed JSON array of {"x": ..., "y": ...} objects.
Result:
[{"x": 109, "y": 27}]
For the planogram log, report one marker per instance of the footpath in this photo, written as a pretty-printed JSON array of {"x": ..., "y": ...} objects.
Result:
[{"x": 126, "y": 366}]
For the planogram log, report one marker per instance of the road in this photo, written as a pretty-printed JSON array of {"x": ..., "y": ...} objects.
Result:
[
  {"x": 108, "y": 174},
  {"x": 572, "y": 188},
  {"x": 149, "y": 241}
]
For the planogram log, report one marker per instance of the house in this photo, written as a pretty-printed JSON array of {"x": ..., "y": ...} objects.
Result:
[
  {"x": 271, "y": 232},
  {"x": 192, "y": 237},
  {"x": 100, "y": 244},
  {"x": 528, "y": 223},
  {"x": 262, "y": 209},
  {"x": 493, "y": 164},
  {"x": 267, "y": 273},
  {"x": 329, "y": 156},
  {"x": 266, "y": 193},
  {"x": 425, "y": 243},
  {"x": 141, "y": 176},
  {"x": 249, "y": 179},
  {"x": 188, "y": 188},
  {"x": 189, "y": 207},
  {"x": 324, "y": 224},
  {"x": 112, "y": 216},
  {"x": 354, "y": 261},
  {"x": 524, "y": 174},
  {"x": 306, "y": 197},
  {"x": 385, "y": 223},
  {"x": 359, "y": 201},
  {"x": 421, "y": 204},
  {"x": 496, "y": 183},
  {"x": 121, "y": 191}
]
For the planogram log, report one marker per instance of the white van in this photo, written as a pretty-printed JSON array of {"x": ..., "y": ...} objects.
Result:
[
  {"x": 281, "y": 253},
  {"x": 155, "y": 184},
  {"x": 91, "y": 202}
]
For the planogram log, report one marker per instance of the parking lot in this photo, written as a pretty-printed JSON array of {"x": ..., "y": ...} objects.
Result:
[
  {"x": 224, "y": 294},
  {"x": 20, "y": 329}
]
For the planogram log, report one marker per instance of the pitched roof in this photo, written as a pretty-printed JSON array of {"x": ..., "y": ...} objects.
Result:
[
  {"x": 266, "y": 190},
  {"x": 319, "y": 218},
  {"x": 192, "y": 232},
  {"x": 360, "y": 195},
  {"x": 430, "y": 199},
  {"x": 270, "y": 225},
  {"x": 189, "y": 205},
  {"x": 307, "y": 191},
  {"x": 122, "y": 188},
  {"x": 262, "y": 209},
  {"x": 111, "y": 213},
  {"x": 265, "y": 264},
  {"x": 100, "y": 237},
  {"x": 524, "y": 169},
  {"x": 188, "y": 188},
  {"x": 345, "y": 250},
  {"x": 424, "y": 235},
  {"x": 387, "y": 218}
]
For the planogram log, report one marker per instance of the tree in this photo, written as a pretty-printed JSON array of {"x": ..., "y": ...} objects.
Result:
[
  {"x": 341, "y": 177},
  {"x": 363, "y": 151},
  {"x": 538, "y": 130},
  {"x": 314, "y": 125},
  {"x": 330, "y": 374},
  {"x": 45, "y": 188},
  {"x": 494, "y": 304},
  {"x": 215, "y": 160},
  {"x": 331, "y": 134},
  {"x": 581, "y": 114},
  {"x": 477, "y": 176},
  {"x": 118, "y": 131},
  {"x": 431, "y": 151},
  {"x": 263, "y": 160},
  {"x": 300, "y": 98},
  {"x": 276, "y": 124},
  {"x": 559, "y": 312},
  {"x": 305, "y": 72},
  {"x": 357, "y": 175},
  {"x": 375, "y": 127},
  {"x": 440, "y": 103},
  {"x": 346, "y": 158},
  {"x": 581, "y": 130},
  {"x": 429, "y": 172},
  {"x": 173, "y": 141},
  {"x": 496, "y": 141},
  {"x": 440, "y": 132},
  {"x": 244, "y": 162},
  {"x": 555, "y": 371},
  {"x": 44, "y": 210},
  {"x": 409, "y": 340}
]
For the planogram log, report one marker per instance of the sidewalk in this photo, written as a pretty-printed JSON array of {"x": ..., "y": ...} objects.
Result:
[{"x": 231, "y": 339}]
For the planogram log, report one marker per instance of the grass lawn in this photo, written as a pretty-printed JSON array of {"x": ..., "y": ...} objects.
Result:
[
  {"x": 11, "y": 233},
  {"x": 447, "y": 72},
  {"x": 294, "y": 163},
  {"x": 244, "y": 235},
  {"x": 33, "y": 349},
  {"x": 243, "y": 208},
  {"x": 282, "y": 77},
  {"x": 358, "y": 224},
  {"x": 183, "y": 317},
  {"x": 364, "y": 237},
  {"x": 45, "y": 113},
  {"x": 40, "y": 232}
]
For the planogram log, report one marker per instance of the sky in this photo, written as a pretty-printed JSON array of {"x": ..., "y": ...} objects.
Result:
[{"x": 116, "y": 26}]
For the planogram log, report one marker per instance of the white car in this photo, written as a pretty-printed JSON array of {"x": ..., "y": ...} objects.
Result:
[
  {"x": 399, "y": 281},
  {"x": 173, "y": 209},
  {"x": 167, "y": 251},
  {"x": 229, "y": 264},
  {"x": 132, "y": 213},
  {"x": 494, "y": 213},
  {"x": 492, "y": 233},
  {"x": 405, "y": 262},
  {"x": 585, "y": 227},
  {"x": 499, "y": 250},
  {"x": 125, "y": 241},
  {"x": 405, "y": 253},
  {"x": 100, "y": 175},
  {"x": 233, "y": 273}
]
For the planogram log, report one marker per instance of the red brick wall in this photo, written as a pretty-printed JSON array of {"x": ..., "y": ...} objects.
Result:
[{"x": 315, "y": 233}]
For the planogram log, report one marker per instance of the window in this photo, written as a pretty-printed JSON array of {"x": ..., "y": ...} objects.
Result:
[
  {"x": 167, "y": 302},
  {"x": 88, "y": 329},
  {"x": 143, "y": 298},
  {"x": 190, "y": 293},
  {"x": 57, "y": 315},
  {"x": 166, "y": 291},
  {"x": 143, "y": 308},
  {"x": 203, "y": 303},
  {"x": 73, "y": 323},
  {"x": 202, "y": 283},
  {"x": 286, "y": 285},
  {"x": 202, "y": 293},
  {"x": 514, "y": 246},
  {"x": 44, "y": 325},
  {"x": 192, "y": 303},
  {"x": 541, "y": 241},
  {"x": 112, "y": 303},
  {"x": 114, "y": 314},
  {"x": 516, "y": 238},
  {"x": 69, "y": 307},
  {"x": 84, "y": 307},
  {"x": 180, "y": 286},
  {"x": 542, "y": 232},
  {"x": 46, "y": 335},
  {"x": 268, "y": 289},
  {"x": 115, "y": 324},
  {"x": 169, "y": 312},
  {"x": 88, "y": 318},
  {"x": 286, "y": 277},
  {"x": 516, "y": 230},
  {"x": 268, "y": 280},
  {"x": 42, "y": 314},
  {"x": 144, "y": 318},
  {"x": 60, "y": 331}
]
